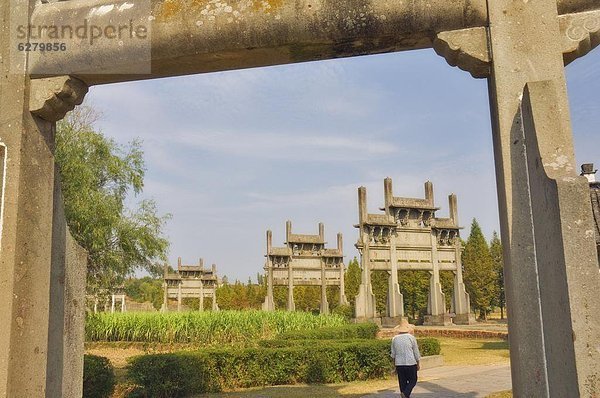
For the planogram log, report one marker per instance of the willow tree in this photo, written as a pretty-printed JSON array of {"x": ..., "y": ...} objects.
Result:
[{"x": 98, "y": 177}]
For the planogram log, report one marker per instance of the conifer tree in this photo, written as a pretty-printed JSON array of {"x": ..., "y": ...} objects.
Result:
[
  {"x": 352, "y": 279},
  {"x": 496, "y": 252},
  {"x": 479, "y": 273}
]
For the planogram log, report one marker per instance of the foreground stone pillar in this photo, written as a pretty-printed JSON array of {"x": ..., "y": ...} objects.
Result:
[
  {"x": 74, "y": 319},
  {"x": 35, "y": 283},
  {"x": 551, "y": 271}
]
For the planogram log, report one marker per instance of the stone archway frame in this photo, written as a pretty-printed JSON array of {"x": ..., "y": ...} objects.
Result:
[{"x": 551, "y": 262}]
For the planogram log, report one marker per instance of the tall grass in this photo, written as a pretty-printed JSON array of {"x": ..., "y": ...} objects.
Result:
[{"x": 203, "y": 328}]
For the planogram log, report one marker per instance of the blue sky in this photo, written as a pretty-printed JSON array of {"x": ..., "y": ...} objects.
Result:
[{"x": 233, "y": 154}]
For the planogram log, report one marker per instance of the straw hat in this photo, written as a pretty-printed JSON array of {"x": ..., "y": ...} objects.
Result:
[{"x": 404, "y": 327}]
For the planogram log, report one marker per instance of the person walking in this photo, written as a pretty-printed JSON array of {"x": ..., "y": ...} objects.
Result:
[{"x": 407, "y": 357}]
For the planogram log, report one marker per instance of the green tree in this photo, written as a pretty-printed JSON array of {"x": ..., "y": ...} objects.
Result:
[
  {"x": 98, "y": 175},
  {"x": 352, "y": 279},
  {"x": 145, "y": 289},
  {"x": 380, "y": 284},
  {"x": 479, "y": 273},
  {"x": 414, "y": 286},
  {"x": 496, "y": 252}
]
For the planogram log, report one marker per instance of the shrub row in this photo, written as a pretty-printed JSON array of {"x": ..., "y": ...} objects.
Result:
[
  {"x": 214, "y": 370},
  {"x": 427, "y": 346},
  {"x": 98, "y": 377},
  {"x": 351, "y": 331},
  {"x": 185, "y": 373}
]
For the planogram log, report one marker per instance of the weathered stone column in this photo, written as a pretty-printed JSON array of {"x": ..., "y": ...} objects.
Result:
[
  {"x": 215, "y": 306},
  {"x": 365, "y": 307},
  {"x": 551, "y": 271},
  {"x": 291, "y": 306},
  {"x": 112, "y": 305},
  {"x": 201, "y": 297},
  {"x": 395, "y": 299},
  {"x": 324, "y": 304},
  {"x": 436, "y": 303},
  {"x": 460, "y": 300},
  {"x": 340, "y": 246},
  {"x": 269, "y": 304},
  {"x": 179, "y": 299}
]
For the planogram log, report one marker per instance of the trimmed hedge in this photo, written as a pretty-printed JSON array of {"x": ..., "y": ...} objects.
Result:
[
  {"x": 427, "y": 346},
  {"x": 98, "y": 377},
  {"x": 352, "y": 331},
  {"x": 278, "y": 362},
  {"x": 186, "y": 373}
]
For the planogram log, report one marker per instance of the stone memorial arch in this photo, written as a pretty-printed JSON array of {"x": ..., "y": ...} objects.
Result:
[
  {"x": 190, "y": 281},
  {"x": 409, "y": 237},
  {"x": 304, "y": 261},
  {"x": 521, "y": 47}
]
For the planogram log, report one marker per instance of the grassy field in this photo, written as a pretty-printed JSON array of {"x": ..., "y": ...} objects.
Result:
[
  {"x": 474, "y": 351},
  {"x": 203, "y": 329}
]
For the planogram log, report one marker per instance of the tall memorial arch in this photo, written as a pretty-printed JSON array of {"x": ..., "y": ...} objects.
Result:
[
  {"x": 521, "y": 47},
  {"x": 409, "y": 237}
]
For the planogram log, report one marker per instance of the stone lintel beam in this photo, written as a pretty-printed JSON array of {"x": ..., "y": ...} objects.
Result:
[
  {"x": 197, "y": 36},
  {"x": 51, "y": 98}
]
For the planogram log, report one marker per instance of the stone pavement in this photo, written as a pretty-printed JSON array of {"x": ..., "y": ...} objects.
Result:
[{"x": 457, "y": 381}]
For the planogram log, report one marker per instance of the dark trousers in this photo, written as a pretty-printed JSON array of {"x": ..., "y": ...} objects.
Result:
[{"x": 407, "y": 378}]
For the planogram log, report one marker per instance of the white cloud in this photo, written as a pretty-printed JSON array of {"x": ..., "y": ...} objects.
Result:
[{"x": 285, "y": 146}]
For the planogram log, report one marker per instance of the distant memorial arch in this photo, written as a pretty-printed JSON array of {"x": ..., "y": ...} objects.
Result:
[
  {"x": 190, "y": 281},
  {"x": 304, "y": 261},
  {"x": 409, "y": 237}
]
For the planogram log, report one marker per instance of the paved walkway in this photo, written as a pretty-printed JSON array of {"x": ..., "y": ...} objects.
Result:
[{"x": 457, "y": 381}]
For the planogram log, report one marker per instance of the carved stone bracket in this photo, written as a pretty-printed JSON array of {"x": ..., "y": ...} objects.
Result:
[
  {"x": 467, "y": 49},
  {"x": 51, "y": 98},
  {"x": 580, "y": 34}
]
